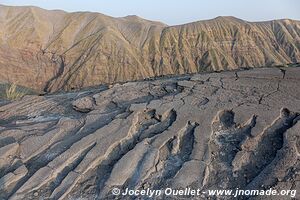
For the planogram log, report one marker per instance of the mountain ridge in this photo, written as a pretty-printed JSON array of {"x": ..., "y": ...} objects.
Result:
[
  {"x": 57, "y": 50},
  {"x": 134, "y": 15}
]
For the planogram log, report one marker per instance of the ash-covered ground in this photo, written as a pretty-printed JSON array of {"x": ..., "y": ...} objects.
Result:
[{"x": 207, "y": 131}]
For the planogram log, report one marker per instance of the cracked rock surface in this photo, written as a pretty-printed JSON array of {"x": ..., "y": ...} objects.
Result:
[{"x": 204, "y": 131}]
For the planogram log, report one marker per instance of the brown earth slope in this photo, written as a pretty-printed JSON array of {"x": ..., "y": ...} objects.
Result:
[{"x": 53, "y": 50}]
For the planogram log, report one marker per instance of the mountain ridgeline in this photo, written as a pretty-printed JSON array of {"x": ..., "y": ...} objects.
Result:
[{"x": 55, "y": 50}]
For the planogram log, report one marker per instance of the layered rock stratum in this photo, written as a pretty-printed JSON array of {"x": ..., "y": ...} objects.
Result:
[
  {"x": 55, "y": 50},
  {"x": 206, "y": 131}
]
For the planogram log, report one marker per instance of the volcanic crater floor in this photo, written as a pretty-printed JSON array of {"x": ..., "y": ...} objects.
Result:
[{"x": 205, "y": 131}]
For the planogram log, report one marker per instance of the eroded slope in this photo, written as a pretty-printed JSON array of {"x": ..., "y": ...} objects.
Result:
[{"x": 54, "y": 50}]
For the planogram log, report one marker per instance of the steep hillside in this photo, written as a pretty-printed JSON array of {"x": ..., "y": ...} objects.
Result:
[{"x": 53, "y": 50}]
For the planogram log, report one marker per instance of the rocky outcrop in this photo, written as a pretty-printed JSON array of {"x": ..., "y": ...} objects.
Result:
[
  {"x": 85, "y": 104},
  {"x": 55, "y": 50},
  {"x": 205, "y": 131}
]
